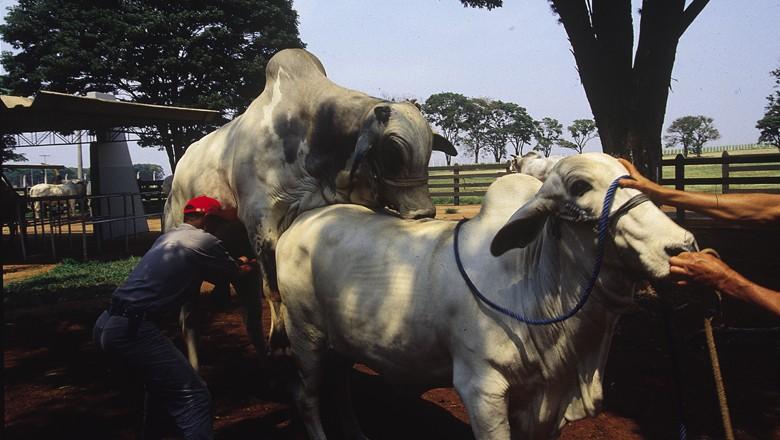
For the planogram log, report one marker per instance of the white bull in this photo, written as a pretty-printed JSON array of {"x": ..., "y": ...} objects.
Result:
[
  {"x": 533, "y": 164},
  {"x": 304, "y": 143},
  {"x": 388, "y": 294},
  {"x": 70, "y": 188}
]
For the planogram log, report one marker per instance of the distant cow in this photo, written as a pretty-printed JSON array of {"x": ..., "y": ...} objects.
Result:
[
  {"x": 305, "y": 142},
  {"x": 372, "y": 289},
  {"x": 533, "y": 164},
  {"x": 71, "y": 188}
]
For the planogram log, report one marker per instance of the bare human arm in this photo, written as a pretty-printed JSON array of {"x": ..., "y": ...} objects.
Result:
[
  {"x": 755, "y": 208},
  {"x": 708, "y": 270}
]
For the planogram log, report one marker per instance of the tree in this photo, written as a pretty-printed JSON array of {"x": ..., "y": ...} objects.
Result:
[
  {"x": 521, "y": 130},
  {"x": 691, "y": 132},
  {"x": 769, "y": 125},
  {"x": 582, "y": 131},
  {"x": 210, "y": 54},
  {"x": 499, "y": 118},
  {"x": 627, "y": 89},
  {"x": 548, "y": 133},
  {"x": 7, "y": 154},
  {"x": 149, "y": 171},
  {"x": 477, "y": 128},
  {"x": 448, "y": 112}
]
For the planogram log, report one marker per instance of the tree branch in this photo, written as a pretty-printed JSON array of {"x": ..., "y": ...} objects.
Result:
[{"x": 690, "y": 14}]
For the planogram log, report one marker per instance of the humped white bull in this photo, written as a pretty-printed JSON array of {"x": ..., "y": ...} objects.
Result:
[
  {"x": 304, "y": 143},
  {"x": 533, "y": 164},
  {"x": 69, "y": 188},
  {"x": 388, "y": 294}
]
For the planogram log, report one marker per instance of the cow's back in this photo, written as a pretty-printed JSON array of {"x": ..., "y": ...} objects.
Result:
[{"x": 370, "y": 280}]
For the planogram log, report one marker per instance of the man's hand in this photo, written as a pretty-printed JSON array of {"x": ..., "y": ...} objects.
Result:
[
  {"x": 702, "y": 268},
  {"x": 638, "y": 181},
  {"x": 246, "y": 265}
]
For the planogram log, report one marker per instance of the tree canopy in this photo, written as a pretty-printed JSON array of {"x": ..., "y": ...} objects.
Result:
[
  {"x": 481, "y": 125},
  {"x": 149, "y": 171},
  {"x": 582, "y": 131},
  {"x": 7, "y": 153},
  {"x": 521, "y": 130},
  {"x": 447, "y": 111},
  {"x": 627, "y": 88},
  {"x": 548, "y": 134},
  {"x": 769, "y": 125},
  {"x": 691, "y": 132},
  {"x": 209, "y": 54}
]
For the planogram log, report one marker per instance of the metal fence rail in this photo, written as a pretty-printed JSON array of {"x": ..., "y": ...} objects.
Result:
[{"x": 43, "y": 221}]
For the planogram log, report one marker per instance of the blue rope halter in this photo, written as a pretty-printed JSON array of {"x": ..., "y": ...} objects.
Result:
[{"x": 603, "y": 225}]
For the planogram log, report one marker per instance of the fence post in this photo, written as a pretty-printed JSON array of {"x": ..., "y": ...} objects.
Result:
[
  {"x": 725, "y": 173},
  {"x": 679, "y": 181},
  {"x": 455, "y": 185}
]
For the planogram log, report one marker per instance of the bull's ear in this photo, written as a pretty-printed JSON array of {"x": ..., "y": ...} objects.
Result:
[
  {"x": 370, "y": 132},
  {"x": 440, "y": 143},
  {"x": 365, "y": 141},
  {"x": 523, "y": 227},
  {"x": 382, "y": 113}
]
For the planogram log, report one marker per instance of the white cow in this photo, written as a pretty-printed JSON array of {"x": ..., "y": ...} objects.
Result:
[
  {"x": 70, "y": 188},
  {"x": 388, "y": 294},
  {"x": 533, "y": 164},
  {"x": 304, "y": 143}
]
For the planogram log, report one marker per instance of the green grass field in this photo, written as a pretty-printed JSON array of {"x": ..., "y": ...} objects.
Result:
[
  {"x": 69, "y": 280},
  {"x": 691, "y": 171}
]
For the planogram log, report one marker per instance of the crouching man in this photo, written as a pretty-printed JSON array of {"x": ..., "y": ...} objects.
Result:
[{"x": 167, "y": 276}]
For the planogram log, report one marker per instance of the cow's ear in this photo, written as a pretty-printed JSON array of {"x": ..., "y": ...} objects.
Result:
[
  {"x": 523, "y": 227},
  {"x": 440, "y": 143},
  {"x": 382, "y": 113}
]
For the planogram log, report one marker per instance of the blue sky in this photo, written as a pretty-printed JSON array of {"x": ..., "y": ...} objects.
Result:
[{"x": 519, "y": 53}]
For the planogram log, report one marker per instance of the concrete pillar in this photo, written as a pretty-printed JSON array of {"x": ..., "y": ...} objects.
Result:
[{"x": 112, "y": 172}]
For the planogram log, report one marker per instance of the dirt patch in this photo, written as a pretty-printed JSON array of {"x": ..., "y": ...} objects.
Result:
[
  {"x": 452, "y": 212},
  {"x": 18, "y": 272}
]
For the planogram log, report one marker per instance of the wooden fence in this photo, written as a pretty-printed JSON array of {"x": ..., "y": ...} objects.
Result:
[
  {"x": 459, "y": 181},
  {"x": 732, "y": 166},
  {"x": 463, "y": 180}
]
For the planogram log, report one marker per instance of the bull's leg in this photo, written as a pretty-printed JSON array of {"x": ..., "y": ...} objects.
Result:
[
  {"x": 248, "y": 287},
  {"x": 343, "y": 393},
  {"x": 484, "y": 395},
  {"x": 249, "y": 291},
  {"x": 277, "y": 336},
  {"x": 309, "y": 351}
]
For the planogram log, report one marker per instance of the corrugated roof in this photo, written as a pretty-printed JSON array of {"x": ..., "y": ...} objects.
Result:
[{"x": 52, "y": 111}]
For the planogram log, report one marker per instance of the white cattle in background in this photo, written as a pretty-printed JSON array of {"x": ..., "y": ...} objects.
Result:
[
  {"x": 70, "y": 188},
  {"x": 533, "y": 164},
  {"x": 388, "y": 294}
]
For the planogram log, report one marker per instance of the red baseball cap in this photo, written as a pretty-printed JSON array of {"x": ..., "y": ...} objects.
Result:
[{"x": 208, "y": 206}]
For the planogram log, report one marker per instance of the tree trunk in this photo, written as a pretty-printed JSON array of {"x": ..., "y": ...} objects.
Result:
[{"x": 628, "y": 102}]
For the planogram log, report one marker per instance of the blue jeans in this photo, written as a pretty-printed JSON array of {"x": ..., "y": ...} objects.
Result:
[{"x": 171, "y": 383}]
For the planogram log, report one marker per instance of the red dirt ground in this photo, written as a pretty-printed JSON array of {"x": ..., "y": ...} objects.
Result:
[{"x": 56, "y": 384}]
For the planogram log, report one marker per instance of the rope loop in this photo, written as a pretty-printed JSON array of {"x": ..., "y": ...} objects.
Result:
[{"x": 603, "y": 225}]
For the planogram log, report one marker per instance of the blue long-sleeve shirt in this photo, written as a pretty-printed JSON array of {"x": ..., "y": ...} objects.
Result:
[{"x": 171, "y": 272}]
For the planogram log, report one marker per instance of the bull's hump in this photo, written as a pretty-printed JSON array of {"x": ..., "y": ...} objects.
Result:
[{"x": 295, "y": 64}]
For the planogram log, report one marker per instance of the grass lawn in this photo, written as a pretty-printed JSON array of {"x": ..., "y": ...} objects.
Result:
[
  {"x": 692, "y": 171},
  {"x": 69, "y": 280}
]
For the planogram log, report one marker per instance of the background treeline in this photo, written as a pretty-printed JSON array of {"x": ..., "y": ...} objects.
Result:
[{"x": 494, "y": 128}]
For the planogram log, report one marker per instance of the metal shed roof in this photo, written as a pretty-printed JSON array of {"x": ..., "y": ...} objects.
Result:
[{"x": 52, "y": 111}]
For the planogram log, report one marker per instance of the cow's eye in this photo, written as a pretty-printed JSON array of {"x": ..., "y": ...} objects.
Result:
[{"x": 580, "y": 187}]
